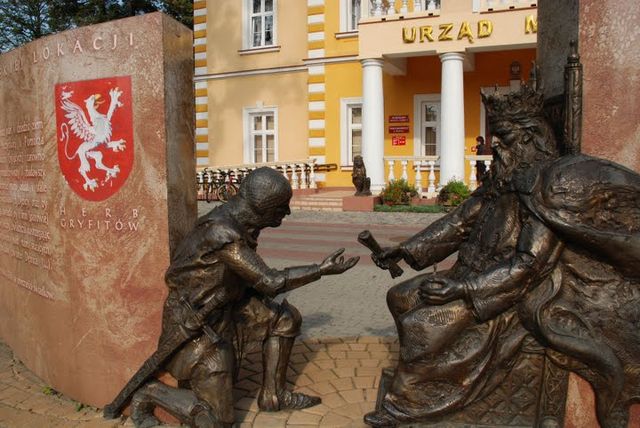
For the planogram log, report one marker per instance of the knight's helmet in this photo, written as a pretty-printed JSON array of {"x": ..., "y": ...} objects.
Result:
[{"x": 265, "y": 188}]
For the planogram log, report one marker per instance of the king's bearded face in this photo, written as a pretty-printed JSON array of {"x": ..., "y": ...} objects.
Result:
[{"x": 504, "y": 143}]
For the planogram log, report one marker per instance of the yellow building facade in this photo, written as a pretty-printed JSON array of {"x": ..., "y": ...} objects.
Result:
[{"x": 285, "y": 81}]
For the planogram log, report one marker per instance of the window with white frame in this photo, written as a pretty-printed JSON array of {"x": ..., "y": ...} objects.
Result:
[
  {"x": 427, "y": 125},
  {"x": 351, "y": 129},
  {"x": 261, "y": 144},
  {"x": 430, "y": 118},
  {"x": 261, "y": 22},
  {"x": 352, "y": 11}
]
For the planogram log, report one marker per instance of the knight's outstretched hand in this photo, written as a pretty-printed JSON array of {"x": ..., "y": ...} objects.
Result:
[
  {"x": 335, "y": 263},
  {"x": 439, "y": 290},
  {"x": 387, "y": 256}
]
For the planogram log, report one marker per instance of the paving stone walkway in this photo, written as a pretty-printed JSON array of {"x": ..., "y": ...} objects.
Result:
[
  {"x": 27, "y": 402},
  {"x": 344, "y": 372},
  {"x": 345, "y": 344}
]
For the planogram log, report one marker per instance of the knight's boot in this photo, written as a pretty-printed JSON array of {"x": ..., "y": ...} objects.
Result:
[
  {"x": 142, "y": 407},
  {"x": 380, "y": 418},
  {"x": 274, "y": 396},
  {"x": 181, "y": 403}
]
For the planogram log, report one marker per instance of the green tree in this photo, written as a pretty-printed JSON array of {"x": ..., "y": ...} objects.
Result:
[
  {"x": 182, "y": 10},
  {"x": 62, "y": 14},
  {"x": 22, "y": 21}
]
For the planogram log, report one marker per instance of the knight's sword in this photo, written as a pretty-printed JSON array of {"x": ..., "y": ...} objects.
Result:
[{"x": 162, "y": 354}]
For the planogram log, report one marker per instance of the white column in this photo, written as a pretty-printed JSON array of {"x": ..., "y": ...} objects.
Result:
[
  {"x": 373, "y": 122},
  {"x": 452, "y": 118}
]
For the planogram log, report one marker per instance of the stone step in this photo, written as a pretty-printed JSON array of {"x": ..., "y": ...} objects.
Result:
[
  {"x": 316, "y": 208},
  {"x": 317, "y": 198},
  {"x": 317, "y": 201}
]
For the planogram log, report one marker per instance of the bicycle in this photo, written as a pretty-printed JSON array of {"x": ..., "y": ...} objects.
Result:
[{"x": 224, "y": 186}]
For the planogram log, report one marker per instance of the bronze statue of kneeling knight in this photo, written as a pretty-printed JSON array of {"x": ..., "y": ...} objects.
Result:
[{"x": 220, "y": 299}]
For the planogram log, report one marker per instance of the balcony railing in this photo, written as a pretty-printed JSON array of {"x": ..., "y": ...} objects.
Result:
[
  {"x": 495, "y": 5},
  {"x": 421, "y": 171},
  {"x": 472, "y": 181},
  {"x": 301, "y": 174},
  {"x": 378, "y": 8},
  {"x": 423, "y": 168},
  {"x": 392, "y": 7}
]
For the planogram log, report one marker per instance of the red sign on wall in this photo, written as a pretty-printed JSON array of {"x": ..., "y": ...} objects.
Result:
[
  {"x": 94, "y": 121},
  {"x": 398, "y": 140},
  {"x": 399, "y": 118},
  {"x": 398, "y": 129}
]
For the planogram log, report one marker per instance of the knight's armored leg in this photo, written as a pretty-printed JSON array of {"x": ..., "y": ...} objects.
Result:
[
  {"x": 181, "y": 403},
  {"x": 275, "y": 356},
  {"x": 212, "y": 382}
]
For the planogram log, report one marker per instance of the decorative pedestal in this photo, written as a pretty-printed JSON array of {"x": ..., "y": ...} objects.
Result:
[{"x": 360, "y": 203}]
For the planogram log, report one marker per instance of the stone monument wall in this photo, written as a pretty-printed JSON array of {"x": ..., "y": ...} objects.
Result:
[
  {"x": 609, "y": 46},
  {"x": 97, "y": 178},
  {"x": 610, "y": 53}
]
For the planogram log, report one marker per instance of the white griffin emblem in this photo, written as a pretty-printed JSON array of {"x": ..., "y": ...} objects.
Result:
[{"x": 95, "y": 134}]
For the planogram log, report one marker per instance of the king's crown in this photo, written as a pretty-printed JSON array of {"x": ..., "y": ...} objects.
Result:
[{"x": 527, "y": 102}]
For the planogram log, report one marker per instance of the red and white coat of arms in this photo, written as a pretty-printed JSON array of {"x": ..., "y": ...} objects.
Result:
[{"x": 95, "y": 142}]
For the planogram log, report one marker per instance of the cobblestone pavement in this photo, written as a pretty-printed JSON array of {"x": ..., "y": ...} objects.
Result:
[
  {"x": 25, "y": 401},
  {"x": 348, "y": 335}
]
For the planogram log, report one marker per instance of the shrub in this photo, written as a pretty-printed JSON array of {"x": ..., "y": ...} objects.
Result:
[
  {"x": 453, "y": 193},
  {"x": 428, "y": 209},
  {"x": 398, "y": 192}
]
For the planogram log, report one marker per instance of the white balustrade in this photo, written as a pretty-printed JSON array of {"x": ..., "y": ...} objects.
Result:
[
  {"x": 300, "y": 173},
  {"x": 431, "y": 190},
  {"x": 380, "y": 8},
  {"x": 473, "y": 162},
  {"x": 391, "y": 176},
  {"x": 415, "y": 163},
  {"x": 433, "y": 5},
  {"x": 377, "y": 8},
  {"x": 294, "y": 177},
  {"x": 312, "y": 174},
  {"x": 303, "y": 176},
  {"x": 473, "y": 177},
  {"x": 486, "y": 5},
  {"x": 404, "y": 164}
]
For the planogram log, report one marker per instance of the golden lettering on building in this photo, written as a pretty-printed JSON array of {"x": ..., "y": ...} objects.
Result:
[
  {"x": 426, "y": 32},
  {"x": 409, "y": 35},
  {"x": 485, "y": 28},
  {"x": 445, "y": 32},
  {"x": 465, "y": 32},
  {"x": 531, "y": 24}
]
